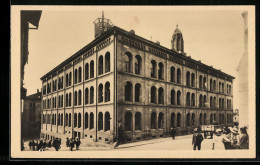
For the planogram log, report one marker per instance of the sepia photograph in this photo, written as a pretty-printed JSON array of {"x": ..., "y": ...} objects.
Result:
[{"x": 133, "y": 82}]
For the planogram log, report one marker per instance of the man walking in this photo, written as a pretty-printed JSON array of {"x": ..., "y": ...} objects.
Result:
[{"x": 197, "y": 138}]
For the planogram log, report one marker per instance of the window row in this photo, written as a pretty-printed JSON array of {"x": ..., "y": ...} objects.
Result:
[{"x": 128, "y": 62}]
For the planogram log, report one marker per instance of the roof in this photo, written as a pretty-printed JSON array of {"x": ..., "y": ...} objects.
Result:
[
  {"x": 116, "y": 29},
  {"x": 37, "y": 95}
]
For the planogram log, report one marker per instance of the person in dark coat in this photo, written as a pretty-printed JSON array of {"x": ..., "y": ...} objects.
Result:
[
  {"x": 33, "y": 145},
  {"x": 67, "y": 142},
  {"x": 44, "y": 144},
  {"x": 71, "y": 144},
  {"x": 41, "y": 143},
  {"x": 197, "y": 139},
  {"x": 244, "y": 140},
  {"x": 77, "y": 143},
  {"x": 173, "y": 133},
  {"x": 30, "y": 144},
  {"x": 49, "y": 143},
  {"x": 56, "y": 144},
  {"x": 37, "y": 145}
]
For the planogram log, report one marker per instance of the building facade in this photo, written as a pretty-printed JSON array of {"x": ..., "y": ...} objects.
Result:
[{"x": 122, "y": 87}]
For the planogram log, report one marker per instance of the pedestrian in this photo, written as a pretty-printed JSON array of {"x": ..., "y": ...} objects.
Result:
[
  {"x": 244, "y": 140},
  {"x": 49, "y": 144},
  {"x": 56, "y": 144},
  {"x": 234, "y": 138},
  {"x": 30, "y": 144},
  {"x": 218, "y": 140},
  {"x": 71, "y": 144},
  {"x": 77, "y": 143},
  {"x": 197, "y": 139},
  {"x": 41, "y": 143},
  {"x": 37, "y": 145},
  {"x": 173, "y": 132},
  {"x": 227, "y": 139},
  {"x": 44, "y": 143},
  {"x": 67, "y": 142},
  {"x": 33, "y": 145}
]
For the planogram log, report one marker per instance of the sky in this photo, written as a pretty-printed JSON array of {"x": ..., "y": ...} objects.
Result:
[{"x": 215, "y": 37}]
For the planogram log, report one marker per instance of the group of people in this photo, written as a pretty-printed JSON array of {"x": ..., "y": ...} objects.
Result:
[
  {"x": 72, "y": 142},
  {"x": 41, "y": 145},
  {"x": 224, "y": 139}
]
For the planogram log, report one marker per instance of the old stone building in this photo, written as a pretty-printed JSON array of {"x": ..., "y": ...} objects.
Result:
[{"x": 122, "y": 87}]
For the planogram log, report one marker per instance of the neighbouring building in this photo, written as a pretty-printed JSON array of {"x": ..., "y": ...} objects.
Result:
[
  {"x": 31, "y": 116},
  {"x": 122, "y": 87}
]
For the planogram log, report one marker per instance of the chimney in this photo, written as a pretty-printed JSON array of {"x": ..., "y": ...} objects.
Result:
[{"x": 132, "y": 31}]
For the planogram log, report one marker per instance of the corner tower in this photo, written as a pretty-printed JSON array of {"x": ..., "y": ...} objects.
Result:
[
  {"x": 177, "y": 41},
  {"x": 102, "y": 25}
]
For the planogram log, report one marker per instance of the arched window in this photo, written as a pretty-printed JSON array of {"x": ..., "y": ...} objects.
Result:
[
  {"x": 70, "y": 99},
  {"x": 70, "y": 78},
  {"x": 219, "y": 87},
  {"x": 178, "y": 76},
  {"x": 128, "y": 62},
  {"x": 193, "y": 99},
  {"x": 211, "y": 119},
  {"x": 210, "y": 85},
  {"x": 91, "y": 121},
  {"x": 107, "y": 92},
  {"x": 153, "y": 69},
  {"x": 161, "y": 120},
  {"x": 86, "y": 71},
  {"x": 107, "y": 121},
  {"x": 153, "y": 94},
  {"x": 230, "y": 89},
  {"x": 204, "y": 82},
  {"x": 75, "y": 98},
  {"x": 178, "y": 120},
  {"x": 100, "y": 93},
  {"x": 75, "y": 120},
  {"x": 91, "y": 95},
  {"x": 188, "y": 99},
  {"x": 214, "y": 119},
  {"x": 137, "y": 92},
  {"x": 100, "y": 121},
  {"x": 211, "y": 102},
  {"x": 67, "y": 80},
  {"x": 188, "y": 120},
  {"x": 172, "y": 74},
  {"x": 201, "y": 119},
  {"x": 201, "y": 101},
  {"x": 227, "y": 89},
  {"x": 193, "y": 80},
  {"x": 128, "y": 121},
  {"x": 223, "y": 87},
  {"x": 128, "y": 91},
  {"x": 75, "y": 76},
  {"x": 138, "y": 121},
  {"x": 205, "y": 118},
  {"x": 92, "y": 69},
  {"x": 79, "y": 120},
  {"x": 173, "y": 120},
  {"x": 69, "y": 119},
  {"x": 55, "y": 119},
  {"x": 107, "y": 62},
  {"x": 80, "y": 74},
  {"x": 62, "y": 82},
  {"x": 219, "y": 119},
  {"x": 161, "y": 96},
  {"x": 172, "y": 97},
  {"x": 200, "y": 82},
  {"x": 193, "y": 120},
  {"x": 59, "y": 102},
  {"x": 138, "y": 63},
  {"x": 86, "y": 95},
  {"x": 79, "y": 97},
  {"x": 179, "y": 98},
  {"x": 223, "y": 103},
  {"x": 205, "y": 100},
  {"x": 61, "y": 121},
  {"x": 214, "y": 85},
  {"x": 86, "y": 120},
  {"x": 188, "y": 78},
  {"x": 214, "y": 102},
  {"x": 100, "y": 65},
  {"x": 153, "y": 120},
  {"x": 223, "y": 119},
  {"x": 219, "y": 102},
  {"x": 161, "y": 71}
]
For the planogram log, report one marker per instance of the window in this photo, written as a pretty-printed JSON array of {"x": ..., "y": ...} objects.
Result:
[
  {"x": 128, "y": 91},
  {"x": 138, "y": 121},
  {"x": 188, "y": 99},
  {"x": 193, "y": 80},
  {"x": 58, "y": 119},
  {"x": 59, "y": 102},
  {"x": 153, "y": 120},
  {"x": 107, "y": 62},
  {"x": 86, "y": 120},
  {"x": 138, "y": 64},
  {"x": 178, "y": 120},
  {"x": 86, "y": 95},
  {"x": 128, "y": 121},
  {"x": 223, "y": 87},
  {"x": 204, "y": 82},
  {"x": 67, "y": 80},
  {"x": 214, "y": 85},
  {"x": 211, "y": 89},
  {"x": 161, "y": 96},
  {"x": 76, "y": 76},
  {"x": 128, "y": 62},
  {"x": 79, "y": 97},
  {"x": 188, "y": 120},
  {"x": 161, "y": 120},
  {"x": 172, "y": 74},
  {"x": 70, "y": 79},
  {"x": 188, "y": 78},
  {"x": 193, "y": 120},
  {"x": 75, "y": 120},
  {"x": 92, "y": 69},
  {"x": 79, "y": 120},
  {"x": 161, "y": 71},
  {"x": 205, "y": 118},
  {"x": 153, "y": 69},
  {"x": 67, "y": 100},
  {"x": 178, "y": 76},
  {"x": 100, "y": 65},
  {"x": 179, "y": 98},
  {"x": 223, "y": 103},
  {"x": 137, "y": 92},
  {"x": 100, "y": 93},
  {"x": 153, "y": 94},
  {"x": 107, "y": 121},
  {"x": 70, "y": 99},
  {"x": 66, "y": 120},
  {"x": 70, "y": 120},
  {"x": 200, "y": 82},
  {"x": 91, "y": 120},
  {"x": 172, "y": 120},
  {"x": 214, "y": 102},
  {"x": 201, "y": 119},
  {"x": 61, "y": 122},
  {"x": 219, "y": 87},
  {"x": 75, "y": 98},
  {"x": 107, "y": 92},
  {"x": 193, "y": 99},
  {"x": 172, "y": 97},
  {"x": 219, "y": 102},
  {"x": 80, "y": 74},
  {"x": 211, "y": 102},
  {"x": 211, "y": 119},
  {"x": 91, "y": 95},
  {"x": 86, "y": 71},
  {"x": 100, "y": 121},
  {"x": 205, "y": 100}
]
